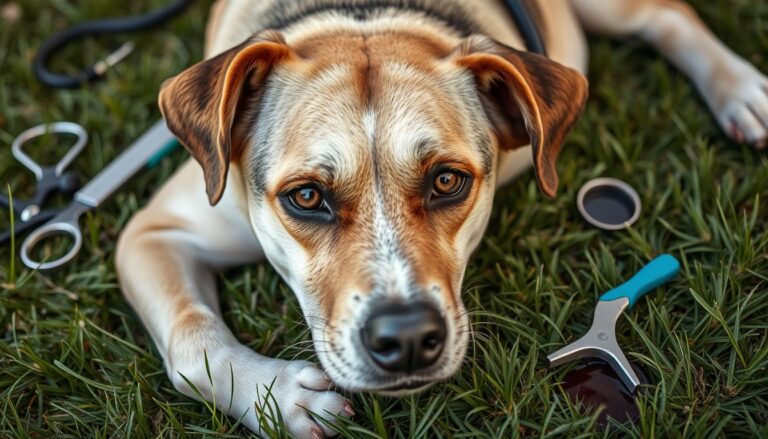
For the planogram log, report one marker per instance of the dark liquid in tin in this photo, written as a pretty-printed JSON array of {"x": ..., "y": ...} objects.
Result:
[
  {"x": 609, "y": 205},
  {"x": 594, "y": 383}
]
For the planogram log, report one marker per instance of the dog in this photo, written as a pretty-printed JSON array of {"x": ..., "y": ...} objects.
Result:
[{"x": 356, "y": 145}]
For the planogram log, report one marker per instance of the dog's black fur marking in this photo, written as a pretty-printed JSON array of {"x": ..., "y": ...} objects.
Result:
[{"x": 287, "y": 12}]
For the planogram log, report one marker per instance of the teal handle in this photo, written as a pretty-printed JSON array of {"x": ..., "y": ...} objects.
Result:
[
  {"x": 657, "y": 272},
  {"x": 167, "y": 149}
]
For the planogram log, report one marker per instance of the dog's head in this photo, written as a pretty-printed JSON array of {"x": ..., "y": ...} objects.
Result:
[{"x": 369, "y": 163}]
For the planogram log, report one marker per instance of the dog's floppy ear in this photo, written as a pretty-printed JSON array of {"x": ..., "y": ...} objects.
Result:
[
  {"x": 529, "y": 99},
  {"x": 200, "y": 105}
]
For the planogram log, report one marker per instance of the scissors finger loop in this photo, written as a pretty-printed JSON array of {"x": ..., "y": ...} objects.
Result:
[
  {"x": 46, "y": 231},
  {"x": 55, "y": 128}
]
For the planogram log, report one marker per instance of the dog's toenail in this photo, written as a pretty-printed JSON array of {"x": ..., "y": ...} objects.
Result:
[
  {"x": 317, "y": 433},
  {"x": 348, "y": 408}
]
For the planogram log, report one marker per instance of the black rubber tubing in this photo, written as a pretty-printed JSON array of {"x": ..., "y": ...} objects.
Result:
[{"x": 92, "y": 28}]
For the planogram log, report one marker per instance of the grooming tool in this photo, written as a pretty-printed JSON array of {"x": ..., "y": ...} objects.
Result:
[
  {"x": 138, "y": 154},
  {"x": 609, "y": 204},
  {"x": 600, "y": 341},
  {"x": 50, "y": 179}
]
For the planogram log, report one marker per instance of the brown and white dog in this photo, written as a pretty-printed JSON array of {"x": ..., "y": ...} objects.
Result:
[{"x": 356, "y": 145}]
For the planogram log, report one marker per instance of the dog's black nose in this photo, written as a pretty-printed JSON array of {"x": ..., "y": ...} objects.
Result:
[{"x": 404, "y": 338}]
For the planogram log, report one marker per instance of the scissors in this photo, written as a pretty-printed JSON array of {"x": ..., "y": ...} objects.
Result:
[
  {"x": 154, "y": 143},
  {"x": 50, "y": 179}
]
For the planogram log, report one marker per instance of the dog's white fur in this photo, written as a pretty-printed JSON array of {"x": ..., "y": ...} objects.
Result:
[{"x": 168, "y": 255}]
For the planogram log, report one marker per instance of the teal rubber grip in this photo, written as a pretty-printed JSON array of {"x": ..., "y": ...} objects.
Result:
[
  {"x": 657, "y": 272},
  {"x": 167, "y": 149}
]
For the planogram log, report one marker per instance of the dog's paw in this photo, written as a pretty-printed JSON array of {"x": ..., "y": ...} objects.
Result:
[
  {"x": 303, "y": 393},
  {"x": 257, "y": 389},
  {"x": 739, "y": 100}
]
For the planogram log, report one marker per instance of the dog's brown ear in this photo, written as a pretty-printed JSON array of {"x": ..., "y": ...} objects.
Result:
[
  {"x": 200, "y": 105},
  {"x": 529, "y": 99}
]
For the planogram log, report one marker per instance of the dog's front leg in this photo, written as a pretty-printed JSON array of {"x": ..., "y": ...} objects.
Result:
[
  {"x": 167, "y": 259},
  {"x": 736, "y": 92}
]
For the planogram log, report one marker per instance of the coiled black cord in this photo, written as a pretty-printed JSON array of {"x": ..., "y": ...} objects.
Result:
[{"x": 98, "y": 27}]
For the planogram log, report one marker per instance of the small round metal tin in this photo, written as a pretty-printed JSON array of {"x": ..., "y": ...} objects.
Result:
[{"x": 608, "y": 203}]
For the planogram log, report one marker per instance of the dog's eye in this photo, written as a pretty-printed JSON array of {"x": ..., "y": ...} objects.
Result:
[
  {"x": 448, "y": 184},
  {"x": 306, "y": 198}
]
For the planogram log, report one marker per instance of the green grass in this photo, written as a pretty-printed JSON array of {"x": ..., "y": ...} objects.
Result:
[{"x": 75, "y": 360}]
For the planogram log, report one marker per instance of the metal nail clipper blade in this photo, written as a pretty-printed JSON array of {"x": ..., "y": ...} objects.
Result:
[{"x": 600, "y": 341}]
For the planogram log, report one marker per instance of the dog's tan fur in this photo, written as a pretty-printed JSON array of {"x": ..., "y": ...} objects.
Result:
[{"x": 367, "y": 109}]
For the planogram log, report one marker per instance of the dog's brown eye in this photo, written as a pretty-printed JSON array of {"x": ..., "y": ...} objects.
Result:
[
  {"x": 448, "y": 184},
  {"x": 307, "y": 198}
]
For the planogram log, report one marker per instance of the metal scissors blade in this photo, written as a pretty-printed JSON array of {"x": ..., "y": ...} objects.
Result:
[
  {"x": 127, "y": 164},
  {"x": 21, "y": 227}
]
